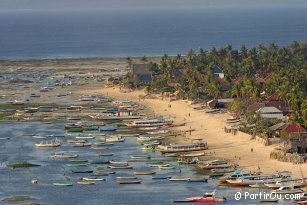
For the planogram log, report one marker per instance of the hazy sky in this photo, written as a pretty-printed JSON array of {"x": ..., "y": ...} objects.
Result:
[{"x": 140, "y": 4}]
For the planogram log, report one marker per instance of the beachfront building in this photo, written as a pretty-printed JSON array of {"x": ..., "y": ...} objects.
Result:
[
  {"x": 141, "y": 74},
  {"x": 270, "y": 113}
]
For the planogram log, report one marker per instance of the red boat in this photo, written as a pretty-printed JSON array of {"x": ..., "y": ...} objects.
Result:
[{"x": 207, "y": 198}]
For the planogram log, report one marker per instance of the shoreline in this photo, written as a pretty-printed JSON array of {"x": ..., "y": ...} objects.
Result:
[{"x": 236, "y": 148}]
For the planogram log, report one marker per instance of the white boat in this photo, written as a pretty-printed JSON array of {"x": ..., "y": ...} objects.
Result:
[
  {"x": 115, "y": 139},
  {"x": 246, "y": 181},
  {"x": 258, "y": 185},
  {"x": 156, "y": 122},
  {"x": 193, "y": 154},
  {"x": 287, "y": 190},
  {"x": 173, "y": 148},
  {"x": 179, "y": 179},
  {"x": 63, "y": 155},
  {"x": 158, "y": 132},
  {"x": 48, "y": 144}
]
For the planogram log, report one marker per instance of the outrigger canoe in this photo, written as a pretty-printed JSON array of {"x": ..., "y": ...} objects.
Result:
[{"x": 62, "y": 184}]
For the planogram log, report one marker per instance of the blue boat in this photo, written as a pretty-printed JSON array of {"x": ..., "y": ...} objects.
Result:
[
  {"x": 161, "y": 177},
  {"x": 197, "y": 180},
  {"x": 107, "y": 129}
]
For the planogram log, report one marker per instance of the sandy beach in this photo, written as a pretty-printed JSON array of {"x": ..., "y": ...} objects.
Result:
[{"x": 236, "y": 148}]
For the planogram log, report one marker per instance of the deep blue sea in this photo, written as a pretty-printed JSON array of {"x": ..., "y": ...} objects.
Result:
[{"x": 114, "y": 33}]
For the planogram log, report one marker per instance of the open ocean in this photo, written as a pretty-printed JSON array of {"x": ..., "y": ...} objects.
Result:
[{"x": 116, "y": 33}]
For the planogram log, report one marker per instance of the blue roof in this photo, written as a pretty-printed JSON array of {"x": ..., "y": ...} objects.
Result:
[
  {"x": 145, "y": 77},
  {"x": 217, "y": 69}
]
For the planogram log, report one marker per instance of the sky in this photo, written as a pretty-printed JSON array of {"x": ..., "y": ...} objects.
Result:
[{"x": 140, "y": 4}]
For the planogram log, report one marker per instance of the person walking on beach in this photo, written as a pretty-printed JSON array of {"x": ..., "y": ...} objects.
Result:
[
  {"x": 189, "y": 115},
  {"x": 252, "y": 150}
]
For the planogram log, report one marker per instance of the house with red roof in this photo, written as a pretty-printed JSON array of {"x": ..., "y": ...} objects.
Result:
[{"x": 293, "y": 128}]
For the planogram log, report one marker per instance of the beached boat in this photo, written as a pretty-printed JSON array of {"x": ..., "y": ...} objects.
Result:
[
  {"x": 233, "y": 176},
  {"x": 174, "y": 148},
  {"x": 249, "y": 180},
  {"x": 193, "y": 154},
  {"x": 158, "y": 132},
  {"x": 258, "y": 185},
  {"x": 222, "y": 170},
  {"x": 287, "y": 190},
  {"x": 156, "y": 122},
  {"x": 198, "y": 179},
  {"x": 207, "y": 198}
]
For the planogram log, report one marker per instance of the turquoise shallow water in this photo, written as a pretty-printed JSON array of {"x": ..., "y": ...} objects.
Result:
[
  {"x": 152, "y": 192},
  {"x": 97, "y": 33}
]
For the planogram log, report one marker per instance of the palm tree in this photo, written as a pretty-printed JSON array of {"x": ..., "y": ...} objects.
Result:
[{"x": 129, "y": 62}]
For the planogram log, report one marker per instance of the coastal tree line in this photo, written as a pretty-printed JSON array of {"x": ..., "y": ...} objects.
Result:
[{"x": 192, "y": 75}]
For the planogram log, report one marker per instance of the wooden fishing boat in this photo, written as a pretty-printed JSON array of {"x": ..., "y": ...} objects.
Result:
[
  {"x": 78, "y": 160},
  {"x": 86, "y": 183},
  {"x": 115, "y": 139},
  {"x": 99, "y": 148},
  {"x": 82, "y": 144},
  {"x": 82, "y": 171},
  {"x": 118, "y": 163},
  {"x": 100, "y": 162},
  {"x": 179, "y": 179},
  {"x": 104, "y": 155},
  {"x": 140, "y": 157},
  {"x": 129, "y": 181},
  {"x": 62, "y": 184},
  {"x": 193, "y": 154},
  {"x": 165, "y": 166},
  {"x": 48, "y": 144},
  {"x": 198, "y": 179},
  {"x": 269, "y": 201},
  {"x": 207, "y": 198},
  {"x": 63, "y": 155},
  {"x": 75, "y": 165},
  {"x": 126, "y": 178},
  {"x": 120, "y": 167},
  {"x": 93, "y": 179},
  {"x": 156, "y": 122},
  {"x": 144, "y": 173},
  {"x": 161, "y": 177},
  {"x": 222, "y": 170},
  {"x": 107, "y": 129},
  {"x": 174, "y": 148}
]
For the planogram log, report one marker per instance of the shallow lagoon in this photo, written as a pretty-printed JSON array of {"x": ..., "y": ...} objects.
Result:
[{"x": 20, "y": 148}]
